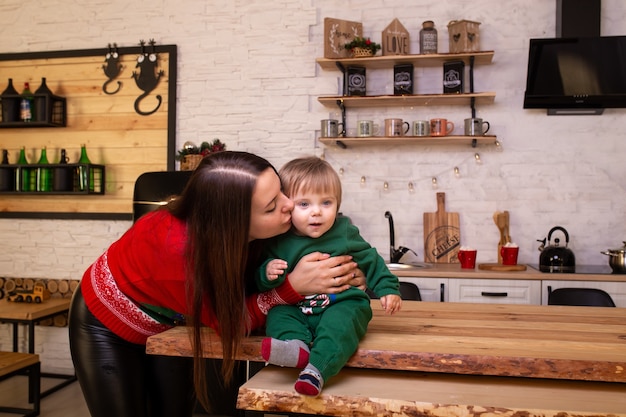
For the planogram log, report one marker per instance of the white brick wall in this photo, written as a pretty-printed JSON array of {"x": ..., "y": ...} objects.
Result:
[{"x": 247, "y": 75}]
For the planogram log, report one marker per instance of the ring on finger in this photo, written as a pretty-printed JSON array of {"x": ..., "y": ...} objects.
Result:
[{"x": 353, "y": 275}]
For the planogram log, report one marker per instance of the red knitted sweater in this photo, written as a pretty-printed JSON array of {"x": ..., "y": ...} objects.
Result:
[{"x": 146, "y": 267}]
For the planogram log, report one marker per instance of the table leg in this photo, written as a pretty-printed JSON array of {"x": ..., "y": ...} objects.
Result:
[{"x": 15, "y": 337}]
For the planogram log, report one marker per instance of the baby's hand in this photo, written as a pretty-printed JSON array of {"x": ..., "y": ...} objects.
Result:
[
  {"x": 391, "y": 303},
  {"x": 274, "y": 268}
]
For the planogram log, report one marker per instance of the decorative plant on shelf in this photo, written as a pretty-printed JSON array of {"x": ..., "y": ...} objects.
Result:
[
  {"x": 191, "y": 155},
  {"x": 362, "y": 47}
]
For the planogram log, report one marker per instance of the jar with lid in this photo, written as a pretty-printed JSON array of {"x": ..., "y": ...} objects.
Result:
[{"x": 428, "y": 38}]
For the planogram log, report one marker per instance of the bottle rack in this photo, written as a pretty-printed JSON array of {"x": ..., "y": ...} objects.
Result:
[
  {"x": 50, "y": 111},
  {"x": 11, "y": 175}
]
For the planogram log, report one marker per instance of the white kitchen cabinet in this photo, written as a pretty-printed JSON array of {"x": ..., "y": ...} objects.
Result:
[
  {"x": 431, "y": 289},
  {"x": 494, "y": 291},
  {"x": 617, "y": 290}
]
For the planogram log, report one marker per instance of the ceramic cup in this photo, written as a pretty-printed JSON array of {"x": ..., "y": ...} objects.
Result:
[
  {"x": 475, "y": 126},
  {"x": 440, "y": 127},
  {"x": 396, "y": 127},
  {"x": 421, "y": 128},
  {"x": 366, "y": 128},
  {"x": 467, "y": 257},
  {"x": 509, "y": 254},
  {"x": 330, "y": 128}
]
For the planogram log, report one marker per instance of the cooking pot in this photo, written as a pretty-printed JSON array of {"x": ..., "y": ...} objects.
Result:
[
  {"x": 556, "y": 258},
  {"x": 617, "y": 259}
]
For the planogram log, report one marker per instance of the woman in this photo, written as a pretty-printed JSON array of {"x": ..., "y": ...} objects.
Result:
[{"x": 186, "y": 263}]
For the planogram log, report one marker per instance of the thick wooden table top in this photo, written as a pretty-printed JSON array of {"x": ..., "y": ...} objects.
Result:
[
  {"x": 562, "y": 342},
  {"x": 10, "y": 310},
  {"x": 377, "y": 393}
]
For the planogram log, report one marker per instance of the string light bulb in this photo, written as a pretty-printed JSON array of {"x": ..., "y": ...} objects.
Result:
[
  {"x": 362, "y": 180},
  {"x": 341, "y": 171},
  {"x": 477, "y": 158},
  {"x": 434, "y": 183},
  {"x": 411, "y": 188},
  {"x": 457, "y": 172}
]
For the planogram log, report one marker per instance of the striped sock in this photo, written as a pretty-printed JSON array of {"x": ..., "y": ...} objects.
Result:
[
  {"x": 309, "y": 382},
  {"x": 293, "y": 353}
]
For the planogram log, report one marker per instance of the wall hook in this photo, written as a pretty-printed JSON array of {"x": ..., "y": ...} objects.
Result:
[
  {"x": 148, "y": 77},
  {"x": 112, "y": 68}
]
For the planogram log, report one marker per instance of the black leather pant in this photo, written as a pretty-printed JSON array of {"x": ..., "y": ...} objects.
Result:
[{"x": 119, "y": 379}]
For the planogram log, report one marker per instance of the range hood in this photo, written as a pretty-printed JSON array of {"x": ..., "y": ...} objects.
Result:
[
  {"x": 578, "y": 72},
  {"x": 576, "y": 75}
]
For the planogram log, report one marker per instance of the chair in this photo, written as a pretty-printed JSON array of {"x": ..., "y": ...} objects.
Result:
[
  {"x": 408, "y": 291},
  {"x": 153, "y": 188},
  {"x": 579, "y": 297}
]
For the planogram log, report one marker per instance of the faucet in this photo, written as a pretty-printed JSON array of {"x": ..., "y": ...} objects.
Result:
[{"x": 395, "y": 254}]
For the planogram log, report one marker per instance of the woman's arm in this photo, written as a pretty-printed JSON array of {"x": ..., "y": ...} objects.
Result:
[
  {"x": 318, "y": 273},
  {"x": 315, "y": 273}
]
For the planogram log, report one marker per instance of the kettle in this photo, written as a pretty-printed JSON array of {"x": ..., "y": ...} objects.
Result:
[{"x": 556, "y": 258}]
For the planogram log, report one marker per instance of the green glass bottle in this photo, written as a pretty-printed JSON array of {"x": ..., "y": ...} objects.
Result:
[
  {"x": 23, "y": 179},
  {"x": 44, "y": 177},
  {"x": 85, "y": 173}
]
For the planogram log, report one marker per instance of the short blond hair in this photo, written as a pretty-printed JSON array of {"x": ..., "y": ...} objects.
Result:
[{"x": 310, "y": 174}]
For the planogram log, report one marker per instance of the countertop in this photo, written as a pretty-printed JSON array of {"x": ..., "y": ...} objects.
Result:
[{"x": 584, "y": 273}]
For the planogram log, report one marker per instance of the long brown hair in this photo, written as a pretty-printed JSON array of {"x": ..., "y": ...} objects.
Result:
[{"x": 216, "y": 205}]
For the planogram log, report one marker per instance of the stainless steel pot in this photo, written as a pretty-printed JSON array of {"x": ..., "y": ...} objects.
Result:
[{"x": 617, "y": 259}]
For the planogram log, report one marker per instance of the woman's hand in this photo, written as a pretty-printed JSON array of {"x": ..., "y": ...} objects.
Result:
[{"x": 318, "y": 273}]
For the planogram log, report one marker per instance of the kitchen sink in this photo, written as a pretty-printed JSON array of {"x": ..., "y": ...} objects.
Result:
[{"x": 408, "y": 267}]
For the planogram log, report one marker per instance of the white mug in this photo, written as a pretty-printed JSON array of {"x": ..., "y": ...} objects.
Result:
[
  {"x": 421, "y": 128},
  {"x": 366, "y": 128}
]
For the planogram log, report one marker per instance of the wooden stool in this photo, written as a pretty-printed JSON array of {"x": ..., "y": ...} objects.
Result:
[{"x": 14, "y": 363}]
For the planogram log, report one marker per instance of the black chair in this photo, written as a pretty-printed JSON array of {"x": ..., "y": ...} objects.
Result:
[
  {"x": 152, "y": 189},
  {"x": 579, "y": 297},
  {"x": 408, "y": 291}
]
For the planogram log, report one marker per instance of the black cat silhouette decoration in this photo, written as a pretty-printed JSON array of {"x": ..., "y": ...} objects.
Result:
[
  {"x": 148, "y": 77},
  {"x": 112, "y": 69}
]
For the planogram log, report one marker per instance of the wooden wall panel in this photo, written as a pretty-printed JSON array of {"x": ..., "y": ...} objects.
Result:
[{"x": 116, "y": 136}]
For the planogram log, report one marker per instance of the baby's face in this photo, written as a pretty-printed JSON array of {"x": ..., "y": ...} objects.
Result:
[{"x": 313, "y": 214}]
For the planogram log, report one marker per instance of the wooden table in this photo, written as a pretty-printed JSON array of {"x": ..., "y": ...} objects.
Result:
[
  {"x": 464, "y": 348},
  {"x": 30, "y": 314},
  {"x": 562, "y": 342}
]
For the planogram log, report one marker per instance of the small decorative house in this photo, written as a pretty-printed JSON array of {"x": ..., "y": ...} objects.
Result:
[{"x": 395, "y": 39}]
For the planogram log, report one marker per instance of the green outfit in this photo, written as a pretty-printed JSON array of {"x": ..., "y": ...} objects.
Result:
[{"x": 334, "y": 335}]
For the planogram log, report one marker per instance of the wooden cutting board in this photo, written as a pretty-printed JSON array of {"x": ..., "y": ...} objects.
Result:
[
  {"x": 501, "y": 268},
  {"x": 442, "y": 235}
]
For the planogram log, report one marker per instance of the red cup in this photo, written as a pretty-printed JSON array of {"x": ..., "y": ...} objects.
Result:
[
  {"x": 467, "y": 259},
  {"x": 509, "y": 255}
]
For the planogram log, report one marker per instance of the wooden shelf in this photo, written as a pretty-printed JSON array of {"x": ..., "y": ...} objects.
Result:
[
  {"x": 409, "y": 100},
  {"x": 410, "y": 140},
  {"x": 429, "y": 60}
]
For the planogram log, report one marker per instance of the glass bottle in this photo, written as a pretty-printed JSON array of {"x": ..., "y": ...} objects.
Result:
[
  {"x": 27, "y": 104},
  {"x": 43, "y": 178},
  {"x": 23, "y": 182},
  {"x": 62, "y": 175},
  {"x": 43, "y": 110},
  {"x": 85, "y": 173},
  {"x": 428, "y": 38},
  {"x": 10, "y": 98},
  {"x": 7, "y": 183}
]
